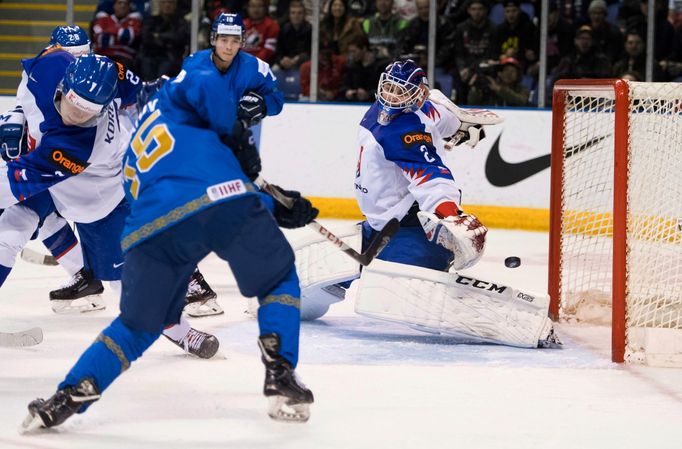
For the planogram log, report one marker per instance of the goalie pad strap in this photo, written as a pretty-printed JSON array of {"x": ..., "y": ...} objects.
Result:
[{"x": 452, "y": 304}]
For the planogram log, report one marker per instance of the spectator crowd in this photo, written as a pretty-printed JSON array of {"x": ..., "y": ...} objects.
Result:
[{"x": 487, "y": 52}]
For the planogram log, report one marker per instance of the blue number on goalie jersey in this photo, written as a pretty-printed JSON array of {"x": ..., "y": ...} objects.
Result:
[{"x": 149, "y": 146}]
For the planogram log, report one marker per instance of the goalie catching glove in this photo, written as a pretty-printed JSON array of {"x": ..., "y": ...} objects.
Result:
[
  {"x": 462, "y": 234},
  {"x": 298, "y": 214}
]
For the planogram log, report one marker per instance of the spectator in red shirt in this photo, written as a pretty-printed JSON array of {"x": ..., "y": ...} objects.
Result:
[
  {"x": 331, "y": 68},
  {"x": 261, "y": 33},
  {"x": 117, "y": 35}
]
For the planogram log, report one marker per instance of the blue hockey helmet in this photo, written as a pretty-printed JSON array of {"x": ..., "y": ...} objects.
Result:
[
  {"x": 400, "y": 89},
  {"x": 90, "y": 84},
  {"x": 73, "y": 39},
  {"x": 230, "y": 24}
]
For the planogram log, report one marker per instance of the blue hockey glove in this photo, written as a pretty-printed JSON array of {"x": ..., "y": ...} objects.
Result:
[
  {"x": 251, "y": 108},
  {"x": 243, "y": 146},
  {"x": 148, "y": 90},
  {"x": 298, "y": 215}
]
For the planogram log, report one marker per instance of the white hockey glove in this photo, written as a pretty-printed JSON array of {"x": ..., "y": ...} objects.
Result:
[
  {"x": 11, "y": 132},
  {"x": 472, "y": 121},
  {"x": 462, "y": 234}
]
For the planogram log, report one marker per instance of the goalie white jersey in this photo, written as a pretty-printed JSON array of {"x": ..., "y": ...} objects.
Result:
[{"x": 401, "y": 163}]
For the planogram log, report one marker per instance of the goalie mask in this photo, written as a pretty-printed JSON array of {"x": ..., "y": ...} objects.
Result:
[
  {"x": 402, "y": 88},
  {"x": 72, "y": 39},
  {"x": 90, "y": 84}
]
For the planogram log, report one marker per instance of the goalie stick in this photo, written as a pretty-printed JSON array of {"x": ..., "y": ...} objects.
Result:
[
  {"x": 30, "y": 337},
  {"x": 36, "y": 257},
  {"x": 364, "y": 259}
]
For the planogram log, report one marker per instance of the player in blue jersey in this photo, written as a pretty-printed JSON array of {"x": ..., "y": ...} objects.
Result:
[
  {"x": 189, "y": 196},
  {"x": 249, "y": 93}
]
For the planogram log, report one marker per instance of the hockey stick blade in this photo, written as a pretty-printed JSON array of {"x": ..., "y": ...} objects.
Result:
[
  {"x": 30, "y": 337},
  {"x": 38, "y": 258},
  {"x": 374, "y": 248}
]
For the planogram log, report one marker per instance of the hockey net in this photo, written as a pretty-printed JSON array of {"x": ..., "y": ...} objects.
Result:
[{"x": 616, "y": 214}]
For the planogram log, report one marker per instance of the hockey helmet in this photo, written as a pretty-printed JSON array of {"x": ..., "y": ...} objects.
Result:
[
  {"x": 73, "y": 39},
  {"x": 90, "y": 84},
  {"x": 230, "y": 24},
  {"x": 400, "y": 89}
]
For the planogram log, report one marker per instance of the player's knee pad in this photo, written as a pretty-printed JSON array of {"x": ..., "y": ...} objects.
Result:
[
  {"x": 17, "y": 225},
  {"x": 451, "y": 304},
  {"x": 321, "y": 267}
]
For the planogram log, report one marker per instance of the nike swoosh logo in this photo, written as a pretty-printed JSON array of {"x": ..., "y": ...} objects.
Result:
[
  {"x": 116, "y": 265},
  {"x": 501, "y": 173},
  {"x": 30, "y": 76}
]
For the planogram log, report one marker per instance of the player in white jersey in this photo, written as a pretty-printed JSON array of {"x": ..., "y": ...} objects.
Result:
[
  {"x": 55, "y": 232},
  {"x": 77, "y": 137},
  {"x": 401, "y": 174}
]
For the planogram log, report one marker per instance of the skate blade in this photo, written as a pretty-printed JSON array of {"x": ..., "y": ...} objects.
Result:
[
  {"x": 279, "y": 410},
  {"x": 76, "y": 306},
  {"x": 202, "y": 309},
  {"x": 31, "y": 424}
]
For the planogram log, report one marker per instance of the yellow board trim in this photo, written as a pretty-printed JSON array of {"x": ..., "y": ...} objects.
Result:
[
  {"x": 46, "y": 7},
  {"x": 23, "y": 38},
  {"x": 529, "y": 219},
  {"x": 15, "y": 56},
  {"x": 10, "y": 72},
  {"x": 38, "y": 23},
  {"x": 7, "y": 91}
]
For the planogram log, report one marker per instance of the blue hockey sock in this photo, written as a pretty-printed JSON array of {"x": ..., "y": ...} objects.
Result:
[
  {"x": 4, "y": 272},
  {"x": 280, "y": 313},
  {"x": 111, "y": 353}
]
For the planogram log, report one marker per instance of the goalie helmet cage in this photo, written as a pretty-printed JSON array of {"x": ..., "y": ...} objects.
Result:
[{"x": 615, "y": 251}]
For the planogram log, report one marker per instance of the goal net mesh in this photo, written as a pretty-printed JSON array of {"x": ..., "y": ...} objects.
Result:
[{"x": 654, "y": 208}]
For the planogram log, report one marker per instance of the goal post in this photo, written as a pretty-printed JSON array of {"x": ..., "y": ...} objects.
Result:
[{"x": 615, "y": 253}]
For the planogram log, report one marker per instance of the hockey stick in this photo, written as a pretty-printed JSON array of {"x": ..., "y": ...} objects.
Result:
[
  {"x": 30, "y": 337},
  {"x": 374, "y": 248},
  {"x": 38, "y": 258}
]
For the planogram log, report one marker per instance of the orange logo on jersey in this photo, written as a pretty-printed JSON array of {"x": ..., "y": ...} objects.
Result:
[
  {"x": 410, "y": 139},
  {"x": 121, "y": 71},
  {"x": 72, "y": 165}
]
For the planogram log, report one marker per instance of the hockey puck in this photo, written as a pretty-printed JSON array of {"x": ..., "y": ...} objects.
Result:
[{"x": 512, "y": 262}]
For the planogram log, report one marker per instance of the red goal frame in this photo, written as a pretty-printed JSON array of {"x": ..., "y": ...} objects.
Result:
[{"x": 620, "y": 189}]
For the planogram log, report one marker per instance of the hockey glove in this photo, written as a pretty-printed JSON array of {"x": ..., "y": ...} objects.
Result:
[
  {"x": 251, "y": 108},
  {"x": 462, "y": 234},
  {"x": 243, "y": 146},
  {"x": 148, "y": 90},
  {"x": 298, "y": 215},
  {"x": 11, "y": 132},
  {"x": 468, "y": 134}
]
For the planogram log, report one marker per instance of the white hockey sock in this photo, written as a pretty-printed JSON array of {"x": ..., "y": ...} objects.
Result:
[
  {"x": 72, "y": 260},
  {"x": 178, "y": 331}
]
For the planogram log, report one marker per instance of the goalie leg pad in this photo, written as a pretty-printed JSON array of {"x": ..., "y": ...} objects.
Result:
[
  {"x": 320, "y": 266},
  {"x": 452, "y": 304}
]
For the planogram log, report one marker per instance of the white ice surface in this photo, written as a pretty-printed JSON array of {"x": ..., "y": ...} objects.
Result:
[{"x": 377, "y": 385}]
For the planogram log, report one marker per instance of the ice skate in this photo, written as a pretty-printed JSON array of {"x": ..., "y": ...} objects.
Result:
[
  {"x": 81, "y": 294},
  {"x": 289, "y": 399},
  {"x": 201, "y": 299},
  {"x": 551, "y": 340},
  {"x": 198, "y": 343},
  {"x": 60, "y": 406}
]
